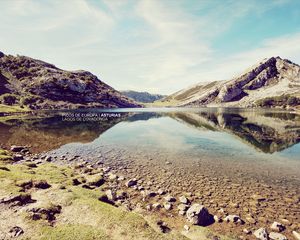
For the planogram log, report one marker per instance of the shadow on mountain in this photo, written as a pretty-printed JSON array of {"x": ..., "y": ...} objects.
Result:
[{"x": 265, "y": 131}]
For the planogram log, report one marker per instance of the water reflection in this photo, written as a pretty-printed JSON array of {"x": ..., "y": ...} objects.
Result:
[{"x": 263, "y": 131}]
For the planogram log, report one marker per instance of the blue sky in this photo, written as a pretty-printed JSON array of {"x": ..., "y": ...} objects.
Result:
[{"x": 159, "y": 46}]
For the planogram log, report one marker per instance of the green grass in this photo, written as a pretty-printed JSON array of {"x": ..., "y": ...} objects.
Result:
[{"x": 88, "y": 218}]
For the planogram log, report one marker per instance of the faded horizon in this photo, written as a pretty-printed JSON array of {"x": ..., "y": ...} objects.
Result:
[{"x": 150, "y": 45}]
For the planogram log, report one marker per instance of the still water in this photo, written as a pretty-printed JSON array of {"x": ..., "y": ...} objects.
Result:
[{"x": 261, "y": 143}]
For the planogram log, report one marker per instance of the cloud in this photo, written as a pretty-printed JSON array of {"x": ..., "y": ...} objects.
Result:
[{"x": 153, "y": 45}]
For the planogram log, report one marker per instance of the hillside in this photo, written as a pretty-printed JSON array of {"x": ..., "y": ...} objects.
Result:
[
  {"x": 35, "y": 84},
  {"x": 143, "y": 97},
  {"x": 274, "y": 82}
]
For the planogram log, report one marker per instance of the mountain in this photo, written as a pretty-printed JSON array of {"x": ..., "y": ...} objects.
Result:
[
  {"x": 143, "y": 97},
  {"x": 36, "y": 84},
  {"x": 274, "y": 82}
]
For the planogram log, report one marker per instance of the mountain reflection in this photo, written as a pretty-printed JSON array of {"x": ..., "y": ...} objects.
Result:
[{"x": 267, "y": 132}]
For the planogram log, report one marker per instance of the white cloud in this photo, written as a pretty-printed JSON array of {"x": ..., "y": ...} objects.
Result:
[{"x": 153, "y": 45}]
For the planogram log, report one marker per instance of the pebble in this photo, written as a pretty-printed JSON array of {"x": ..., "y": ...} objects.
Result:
[
  {"x": 183, "y": 199},
  {"x": 186, "y": 227},
  {"x": 168, "y": 206},
  {"x": 246, "y": 231},
  {"x": 169, "y": 198},
  {"x": 233, "y": 219}
]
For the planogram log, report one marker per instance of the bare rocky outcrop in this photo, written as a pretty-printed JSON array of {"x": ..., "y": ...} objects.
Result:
[{"x": 272, "y": 82}]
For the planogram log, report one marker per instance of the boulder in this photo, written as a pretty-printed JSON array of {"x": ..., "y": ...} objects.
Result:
[
  {"x": 261, "y": 234},
  {"x": 197, "y": 214}
]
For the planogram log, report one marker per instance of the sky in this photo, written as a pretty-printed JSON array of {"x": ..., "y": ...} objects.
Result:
[{"x": 159, "y": 46}]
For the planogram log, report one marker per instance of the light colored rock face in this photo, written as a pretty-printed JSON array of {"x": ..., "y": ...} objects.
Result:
[
  {"x": 261, "y": 234},
  {"x": 296, "y": 235},
  {"x": 271, "y": 77},
  {"x": 277, "y": 236},
  {"x": 198, "y": 215}
]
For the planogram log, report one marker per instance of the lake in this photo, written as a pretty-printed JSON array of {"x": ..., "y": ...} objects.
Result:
[{"x": 220, "y": 157}]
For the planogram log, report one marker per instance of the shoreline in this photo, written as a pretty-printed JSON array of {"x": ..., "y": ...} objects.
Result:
[{"x": 156, "y": 199}]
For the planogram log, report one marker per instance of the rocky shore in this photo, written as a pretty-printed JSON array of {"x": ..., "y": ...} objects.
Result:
[{"x": 206, "y": 208}]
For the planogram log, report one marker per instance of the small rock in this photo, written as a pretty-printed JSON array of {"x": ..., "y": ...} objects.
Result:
[
  {"x": 182, "y": 213},
  {"x": 168, "y": 163},
  {"x": 233, "y": 219},
  {"x": 149, "y": 207},
  {"x": 277, "y": 236},
  {"x": 161, "y": 191},
  {"x": 111, "y": 195},
  {"x": 183, "y": 199},
  {"x": 121, "y": 178},
  {"x": 15, "y": 148},
  {"x": 131, "y": 182},
  {"x": 217, "y": 219},
  {"x": 251, "y": 220},
  {"x": 169, "y": 198},
  {"x": 168, "y": 206},
  {"x": 112, "y": 177},
  {"x": 198, "y": 215},
  {"x": 48, "y": 159},
  {"x": 18, "y": 157},
  {"x": 246, "y": 231},
  {"x": 186, "y": 227},
  {"x": 183, "y": 207},
  {"x": 16, "y": 231},
  {"x": 261, "y": 234},
  {"x": 156, "y": 206},
  {"x": 278, "y": 227}
]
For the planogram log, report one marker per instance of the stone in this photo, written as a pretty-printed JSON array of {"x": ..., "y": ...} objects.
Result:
[
  {"x": 277, "y": 236},
  {"x": 156, "y": 205},
  {"x": 18, "y": 157},
  {"x": 94, "y": 180},
  {"x": 112, "y": 176},
  {"x": 261, "y": 234},
  {"x": 246, "y": 231},
  {"x": 183, "y": 199},
  {"x": 168, "y": 206},
  {"x": 1, "y": 54},
  {"x": 111, "y": 195},
  {"x": 183, "y": 207},
  {"x": 16, "y": 231},
  {"x": 233, "y": 219},
  {"x": 131, "y": 182},
  {"x": 217, "y": 219},
  {"x": 197, "y": 214},
  {"x": 15, "y": 148},
  {"x": 48, "y": 159},
  {"x": 186, "y": 227},
  {"x": 182, "y": 213},
  {"x": 169, "y": 198},
  {"x": 278, "y": 227},
  {"x": 296, "y": 235},
  {"x": 161, "y": 191}
]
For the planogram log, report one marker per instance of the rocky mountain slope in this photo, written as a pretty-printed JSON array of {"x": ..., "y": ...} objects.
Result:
[
  {"x": 39, "y": 85},
  {"x": 143, "y": 97},
  {"x": 271, "y": 83}
]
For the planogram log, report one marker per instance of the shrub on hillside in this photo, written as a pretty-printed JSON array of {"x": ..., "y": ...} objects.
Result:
[{"x": 8, "y": 99}]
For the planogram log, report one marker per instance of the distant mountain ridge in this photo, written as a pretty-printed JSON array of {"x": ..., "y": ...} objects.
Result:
[
  {"x": 272, "y": 82},
  {"x": 40, "y": 85},
  {"x": 143, "y": 97}
]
